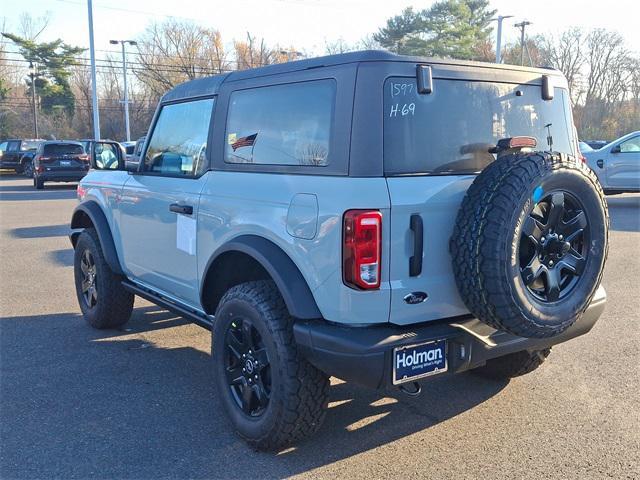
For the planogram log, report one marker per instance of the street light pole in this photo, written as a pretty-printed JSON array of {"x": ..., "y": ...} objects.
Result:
[
  {"x": 33, "y": 74},
  {"x": 500, "y": 18},
  {"x": 126, "y": 89},
  {"x": 94, "y": 85},
  {"x": 522, "y": 25}
]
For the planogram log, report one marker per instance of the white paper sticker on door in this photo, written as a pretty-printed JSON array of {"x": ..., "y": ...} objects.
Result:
[{"x": 186, "y": 234}]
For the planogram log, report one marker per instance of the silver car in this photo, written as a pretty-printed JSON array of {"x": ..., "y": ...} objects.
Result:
[{"x": 617, "y": 164}]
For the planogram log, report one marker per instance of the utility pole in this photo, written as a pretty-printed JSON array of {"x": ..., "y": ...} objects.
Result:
[
  {"x": 94, "y": 85},
  {"x": 124, "y": 75},
  {"x": 522, "y": 25},
  {"x": 33, "y": 73},
  {"x": 500, "y": 18}
]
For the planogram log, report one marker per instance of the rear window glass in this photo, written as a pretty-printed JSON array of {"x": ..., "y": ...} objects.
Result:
[
  {"x": 29, "y": 145},
  {"x": 451, "y": 130},
  {"x": 281, "y": 124},
  {"x": 63, "y": 149}
]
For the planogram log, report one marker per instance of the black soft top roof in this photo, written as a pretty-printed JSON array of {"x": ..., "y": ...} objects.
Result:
[{"x": 211, "y": 85}]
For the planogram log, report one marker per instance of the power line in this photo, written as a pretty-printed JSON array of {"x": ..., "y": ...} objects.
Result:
[{"x": 117, "y": 64}]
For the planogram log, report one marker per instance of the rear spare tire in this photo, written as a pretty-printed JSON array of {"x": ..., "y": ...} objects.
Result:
[{"x": 530, "y": 243}]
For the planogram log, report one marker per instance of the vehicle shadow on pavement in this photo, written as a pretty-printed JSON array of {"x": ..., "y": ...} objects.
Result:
[
  {"x": 62, "y": 258},
  {"x": 78, "y": 402},
  {"x": 624, "y": 212},
  {"x": 41, "y": 231}
]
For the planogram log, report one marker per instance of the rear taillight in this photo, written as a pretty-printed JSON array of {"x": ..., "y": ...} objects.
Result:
[
  {"x": 84, "y": 157},
  {"x": 39, "y": 168},
  {"x": 361, "y": 249},
  {"x": 582, "y": 158}
]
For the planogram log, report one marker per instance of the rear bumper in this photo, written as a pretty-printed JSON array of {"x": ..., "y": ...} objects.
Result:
[
  {"x": 62, "y": 175},
  {"x": 364, "y": 355}
]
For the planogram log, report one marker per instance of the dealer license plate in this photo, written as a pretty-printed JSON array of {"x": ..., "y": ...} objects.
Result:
[{"x": 418, "y": 361}]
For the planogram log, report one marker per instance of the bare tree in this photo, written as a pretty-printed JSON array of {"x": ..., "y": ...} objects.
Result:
[
  {"x": 32, "y": 27},
  {"x": 253, "y": 53},
  {"x": 567, "y": 54},
  {"x": 176, "y": 51}
]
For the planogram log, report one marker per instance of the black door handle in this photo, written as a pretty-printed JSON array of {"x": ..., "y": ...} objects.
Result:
[
  {"x": 415, "y": 262},
  {"x": 177, "y": 208}
]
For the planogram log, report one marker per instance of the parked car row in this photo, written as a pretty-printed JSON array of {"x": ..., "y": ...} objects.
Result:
[{"x": 66, "y": 160}]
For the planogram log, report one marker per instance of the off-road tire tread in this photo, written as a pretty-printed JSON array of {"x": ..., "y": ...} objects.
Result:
[
  {"x": 306, "y": 387},
  {"x": 477, "y": 258},
  {"x": 117, "y": 311},
  {"x": 513, "y": 365}
]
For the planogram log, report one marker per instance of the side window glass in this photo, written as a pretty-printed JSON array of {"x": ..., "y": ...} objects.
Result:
[
  {"x": 631, "y": 145},
  {"x": 281, "y": 124},
  {"x": 13, "y": 146},
  {"x": 179, "y": 140},
  {"x": 3, "y": 147}
]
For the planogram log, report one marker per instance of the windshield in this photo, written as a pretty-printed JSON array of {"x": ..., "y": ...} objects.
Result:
[
  {"x": 29, "y": 145},
  {"x": 451, "y": 130}
]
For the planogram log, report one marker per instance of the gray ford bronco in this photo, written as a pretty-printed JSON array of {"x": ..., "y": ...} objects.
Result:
[{"x": 378, "y": 218}]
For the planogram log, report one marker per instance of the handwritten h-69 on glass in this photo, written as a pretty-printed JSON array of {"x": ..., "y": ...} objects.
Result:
[{"x": 406, "y": 109}]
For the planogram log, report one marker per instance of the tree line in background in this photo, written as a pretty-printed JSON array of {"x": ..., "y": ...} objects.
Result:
[{"x": 603, "y": 74}]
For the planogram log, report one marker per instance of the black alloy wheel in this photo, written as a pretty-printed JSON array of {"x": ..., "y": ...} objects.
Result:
[
  {"x": 89, "y": 287},
  {"x": 247, "y": 367},
  {"x": 554, "y": 246}
]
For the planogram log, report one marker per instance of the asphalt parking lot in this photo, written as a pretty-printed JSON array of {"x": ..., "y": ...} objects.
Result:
[{"x": 139, "y": 402}]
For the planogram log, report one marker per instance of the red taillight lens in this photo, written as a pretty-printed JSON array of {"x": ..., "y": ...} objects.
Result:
[
  {"x": 84, "y": 157},
  {"x": 583, "y": 159},
  {"x": 521, "y": 142},
  {"x": 81, "y": 192},
  {"x": 361, "y": 249}
]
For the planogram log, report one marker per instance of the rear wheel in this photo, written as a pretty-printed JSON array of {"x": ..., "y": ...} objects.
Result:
[
  {"x": 513, "y": 365},
  {"x": 103, "y": 300},
  {"x": 272, "y": 395}
]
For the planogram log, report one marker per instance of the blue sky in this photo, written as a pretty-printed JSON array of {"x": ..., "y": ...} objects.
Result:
[{"x": 306, "y": 24}]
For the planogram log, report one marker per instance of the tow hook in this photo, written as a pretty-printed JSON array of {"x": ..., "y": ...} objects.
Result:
[{"x": 417, "y": 389}]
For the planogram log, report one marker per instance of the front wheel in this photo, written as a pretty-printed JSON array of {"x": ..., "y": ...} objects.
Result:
[
  {"x": 272, "y": 395},
  {"x": 38, "y": 183},
  {"x": 103, "y": 300}
]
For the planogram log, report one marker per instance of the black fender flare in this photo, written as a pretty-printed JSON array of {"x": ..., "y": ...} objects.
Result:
[
  {"x": 292, "y": 285},
  {"x": 99, "y": 222}
]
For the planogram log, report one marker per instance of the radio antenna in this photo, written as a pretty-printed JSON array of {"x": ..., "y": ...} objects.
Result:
[{"x": 549, "y": 137}]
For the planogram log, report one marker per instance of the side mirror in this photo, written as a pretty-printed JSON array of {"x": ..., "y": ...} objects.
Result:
[
  {"x": 616, "y": 149},
  {"x": 107, "y": 156}
]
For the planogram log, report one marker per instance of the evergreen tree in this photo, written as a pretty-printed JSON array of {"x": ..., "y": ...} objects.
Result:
[
  {"x": 449, "y": 28},
  {"x": 54, "y": 60}
]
